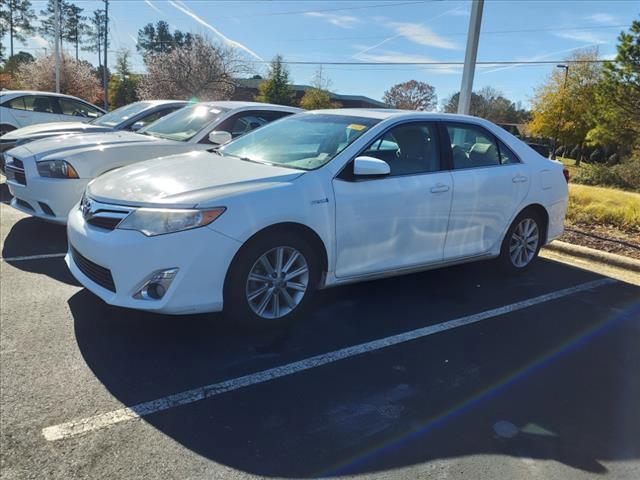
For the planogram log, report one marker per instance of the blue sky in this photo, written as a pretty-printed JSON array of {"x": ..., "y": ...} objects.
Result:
[{"x": 382, "y": 31}]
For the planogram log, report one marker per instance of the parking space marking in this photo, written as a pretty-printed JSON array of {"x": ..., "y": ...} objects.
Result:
[
  {"x": 33, "y": 257},
  {"x": 100, "y": 421}
]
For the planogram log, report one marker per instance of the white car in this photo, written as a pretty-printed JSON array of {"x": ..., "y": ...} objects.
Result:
[
  {"x": 19, "y": 108},
  {"x": 130, "y": 117},
  {"x": 311, "y": 201},
  {"x": 47, "y": 177}
]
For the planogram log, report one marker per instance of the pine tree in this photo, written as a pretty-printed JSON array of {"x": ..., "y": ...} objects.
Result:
[
  {"x": 75, "y": 27},
  {"x": 16, "y": 19},
  {"x": 277, "y": 87},
  {"x": 95, "y": 35}
]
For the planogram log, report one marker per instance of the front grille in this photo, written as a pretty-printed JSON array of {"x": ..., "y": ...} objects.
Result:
[
  {"x": 15, "y": 170},
  {"x": 100, "y": 275},
  {"x": 106, "y": 223}
]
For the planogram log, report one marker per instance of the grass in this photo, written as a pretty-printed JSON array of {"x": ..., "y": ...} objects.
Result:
[
  {"x": 571, "y": 165},
  {"x": 604, "y": 206}
]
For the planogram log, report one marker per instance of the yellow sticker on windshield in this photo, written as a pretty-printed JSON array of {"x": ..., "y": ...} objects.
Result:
[{"x": 356, "y": 126}]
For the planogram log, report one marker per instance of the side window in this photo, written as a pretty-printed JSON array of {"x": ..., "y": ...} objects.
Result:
[
  {"x": 38, "y": 104},
  {"x": 16, "y": 103},
  {"x": 152, "y": 117},
  {"x": 246, "y": 123},
  {"x": 472, "y": 146},
  {"x": 408, "y": 149},
  {"x": 507, "y": 157},
  {"x": 77, "y": 109}
]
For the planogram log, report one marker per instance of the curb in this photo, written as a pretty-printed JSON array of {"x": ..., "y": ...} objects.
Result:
[{"x": 595, "y": 255}]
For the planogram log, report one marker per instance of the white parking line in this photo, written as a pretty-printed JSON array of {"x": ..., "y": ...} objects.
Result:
[
  {"x": 103, "y": 420},
  {"x": 32, "y": 257}
]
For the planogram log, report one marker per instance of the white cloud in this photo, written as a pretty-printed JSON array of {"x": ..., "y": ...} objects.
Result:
[
  {"x": 604, "y": 18},
  {"x": 150, "y": 3},
  {"x": 232, "y": 43},
  {"x": 538, "y": 57},
  {"x": 393, "y": 57},
  {"x": 458, "y": 13},
  {"x": 581, "y": 36},
  {"x": 421, "y": 35},
  {"x": 342, "y": 21}
]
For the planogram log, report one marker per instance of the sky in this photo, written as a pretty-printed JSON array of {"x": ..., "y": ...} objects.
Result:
[{"x": 380, "y": 31}]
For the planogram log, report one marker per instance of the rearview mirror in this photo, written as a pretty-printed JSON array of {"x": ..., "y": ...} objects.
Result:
[
  {"x": 137, "y": 126},
  {"x": 219, "y": 137},
  {"x": 370, "y": 167}
]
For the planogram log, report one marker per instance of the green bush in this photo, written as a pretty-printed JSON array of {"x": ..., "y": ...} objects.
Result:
[{"x": 625, "y": 175}]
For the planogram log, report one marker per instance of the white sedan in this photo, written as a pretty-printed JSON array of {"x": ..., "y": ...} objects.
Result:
[
  {"x": 130, "y": 117},
  {"x": 47, "y": 177},
  {"x": 311, "y": 201},
  {"x": 19, "y": 108}
]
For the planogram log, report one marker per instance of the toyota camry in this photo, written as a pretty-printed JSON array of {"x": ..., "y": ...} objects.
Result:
[{"x": 311, "y": 201}]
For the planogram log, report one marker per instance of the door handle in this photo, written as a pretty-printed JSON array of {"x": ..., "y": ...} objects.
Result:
[
  {"x": 440, "y": 188},
  {"x": 519, "y": 179}
]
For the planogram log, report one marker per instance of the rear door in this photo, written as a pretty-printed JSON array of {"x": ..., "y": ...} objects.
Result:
[
  {"x": 40, "y": 109},
  {"x": 489, "y": 184},
  {"x": 75, "y": 111}
]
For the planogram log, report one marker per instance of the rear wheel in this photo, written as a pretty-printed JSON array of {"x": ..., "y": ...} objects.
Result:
[
  {"x": 271, "y": 280},
  {"x": 522, "y": 242}
]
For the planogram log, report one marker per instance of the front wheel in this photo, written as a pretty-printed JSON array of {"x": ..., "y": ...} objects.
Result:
[
  {"x": 271, "y": 281},
  {"x": 522, "y": 243}
]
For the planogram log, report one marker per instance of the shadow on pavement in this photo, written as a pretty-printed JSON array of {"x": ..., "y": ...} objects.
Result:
[
  {"x": 557, "y": 376},
  {"x": 31, "y": 236}
]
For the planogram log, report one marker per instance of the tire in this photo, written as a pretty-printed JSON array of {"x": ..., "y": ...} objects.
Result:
[
  {"x": 291, "y": 303},
  {"x": 518, "y": 252},
  {"x": 6, "y": 129}
]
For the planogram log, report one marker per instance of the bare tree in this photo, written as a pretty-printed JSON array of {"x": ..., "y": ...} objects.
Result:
[
  {"x": 411, "y": 95},
  {"x": 76, "y": 77},
  {"x": 199, "y": 70}
]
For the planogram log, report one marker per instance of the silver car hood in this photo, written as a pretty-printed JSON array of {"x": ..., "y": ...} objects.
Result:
[
  {"x": 186, "y": 180},
  {"x": 62, "y": 144},
  {"x": 42, "y": 130}
]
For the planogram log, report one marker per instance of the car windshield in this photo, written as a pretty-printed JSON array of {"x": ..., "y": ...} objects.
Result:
[
  {"x": 184, "y": 124},
  {"x": 304, "y": 141},
  {"x": 121, "y": 114}
]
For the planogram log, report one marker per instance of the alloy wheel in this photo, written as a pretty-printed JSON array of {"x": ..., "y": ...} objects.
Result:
[
  {"x": 277, "y": 282},
  {"x": 524, "y": 242}
]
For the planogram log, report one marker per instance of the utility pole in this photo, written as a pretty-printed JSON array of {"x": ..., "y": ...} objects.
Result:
[
  {"x": 104, "y": 66},
  {"x": 473, "y": 36},
  {"x": 57, "y": 44},
  {"x": 564, "y": 87}
]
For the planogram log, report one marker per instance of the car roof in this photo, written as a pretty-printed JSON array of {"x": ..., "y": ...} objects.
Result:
[
  {"x": 38, "y": 92},
  {"x": 163, "y": 102},
  {"x": 384, "y": 113},
  {"x": 235, "y": 105}
]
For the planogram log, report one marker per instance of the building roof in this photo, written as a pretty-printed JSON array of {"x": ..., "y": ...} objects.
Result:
[{"x": 254, "y": 83}]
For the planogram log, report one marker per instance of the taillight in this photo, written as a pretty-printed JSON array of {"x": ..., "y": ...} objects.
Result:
[{"x": 565, "y": 172}]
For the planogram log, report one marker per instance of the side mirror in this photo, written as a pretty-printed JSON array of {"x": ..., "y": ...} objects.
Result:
[
  {"x": 370, "y": 167},
  {"x": 137, "y": 126},
  {"x": 220, "y": 137}
]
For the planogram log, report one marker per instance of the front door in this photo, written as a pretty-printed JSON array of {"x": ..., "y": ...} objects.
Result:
[{"x": 400, "y": 220}]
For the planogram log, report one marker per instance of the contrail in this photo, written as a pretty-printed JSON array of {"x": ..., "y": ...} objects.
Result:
[{"x": 232, "y": 43}]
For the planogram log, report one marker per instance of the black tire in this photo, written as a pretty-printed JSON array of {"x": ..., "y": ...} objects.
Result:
[
  {"x": 6, "y": 129},
  {"x": 236, "y": 303},
  {"x": 505, "y": 260}
]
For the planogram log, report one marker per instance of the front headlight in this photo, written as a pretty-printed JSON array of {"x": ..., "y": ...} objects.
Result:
[
  {"x": 56, "y": 169},
  {"x": 158, "y": 221}
]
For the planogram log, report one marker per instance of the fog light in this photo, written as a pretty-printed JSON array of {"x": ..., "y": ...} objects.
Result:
[{"x": 156, "y": 285}]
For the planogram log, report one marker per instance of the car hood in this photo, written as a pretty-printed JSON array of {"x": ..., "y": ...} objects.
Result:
[
  {"x": 64, "y": 144},
  {"x": 55, "y": 128},
  {"x": 186, "y": 180}
]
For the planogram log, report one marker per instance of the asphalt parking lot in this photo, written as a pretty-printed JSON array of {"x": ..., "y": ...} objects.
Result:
[{"x": 457, "y": 373}]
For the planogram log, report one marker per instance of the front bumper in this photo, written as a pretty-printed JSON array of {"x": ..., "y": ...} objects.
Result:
[
  {"x": 59, "y": 195},
  {"x": 202, "y": 256}
]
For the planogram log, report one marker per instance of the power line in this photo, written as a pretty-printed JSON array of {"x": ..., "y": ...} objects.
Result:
[
  {"x": 497, "y": 62},
  {"x": 451, "y": 34}
]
